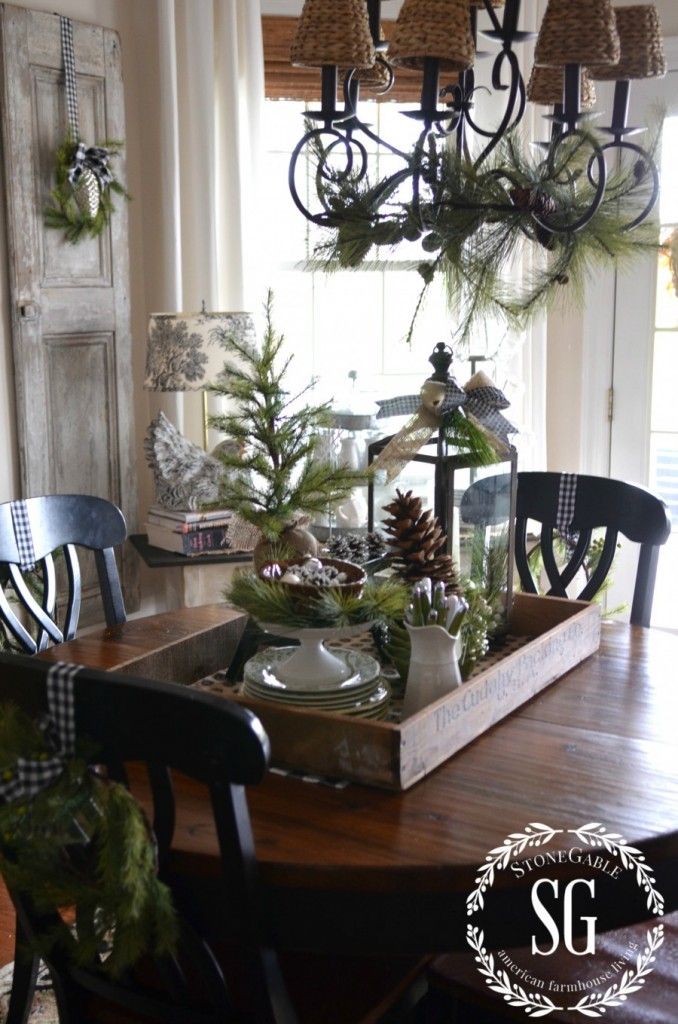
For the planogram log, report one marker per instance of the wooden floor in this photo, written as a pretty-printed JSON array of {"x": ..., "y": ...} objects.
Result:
[{"x": 6, "y": 927}]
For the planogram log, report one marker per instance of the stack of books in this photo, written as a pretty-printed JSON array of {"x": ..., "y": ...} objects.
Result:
[{"x": 189, "y": 533}]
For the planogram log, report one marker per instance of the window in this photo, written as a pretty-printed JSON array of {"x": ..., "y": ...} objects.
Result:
[{"x": 348, "y": 321}]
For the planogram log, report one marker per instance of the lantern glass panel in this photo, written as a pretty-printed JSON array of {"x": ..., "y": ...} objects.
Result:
[{"x": 474, "y": 504}]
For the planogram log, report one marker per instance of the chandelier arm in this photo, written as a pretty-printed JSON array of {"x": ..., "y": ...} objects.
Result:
[
  {"x": 598, "y": 158},
  {"x": 454, "y": 111},
  {"x": 496, "y": 24},
  {"x": 654, "y": 173},
  {"x": 516, "y": 92},
  {"x": 366, "y": 130},
  {"x": 314, "y": 135}
]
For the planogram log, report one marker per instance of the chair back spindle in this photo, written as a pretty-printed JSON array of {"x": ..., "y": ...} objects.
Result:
[{"x": 56, "y": 523}]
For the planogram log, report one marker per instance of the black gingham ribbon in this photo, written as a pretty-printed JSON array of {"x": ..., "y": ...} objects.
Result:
[
  {"x": 567, "y": 498},
  {"x": 68, "y": 57},
  {"x": 23, "y": 535},
  {"x": 484, "y": 404},
  {"x": 405, "y": 405},
  {"x": 94, "y": 158},
  {"x": 29, "y": 777}
]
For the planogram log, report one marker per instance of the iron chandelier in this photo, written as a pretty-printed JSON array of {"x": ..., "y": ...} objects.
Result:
[{"x": 579, "y": 41}]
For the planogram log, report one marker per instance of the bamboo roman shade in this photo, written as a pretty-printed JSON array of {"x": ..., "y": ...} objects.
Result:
[{"x": 283, "y": 81}]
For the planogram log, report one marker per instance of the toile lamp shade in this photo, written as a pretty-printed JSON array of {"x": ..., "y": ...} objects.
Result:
[
  {"x": 577, "y": 32},
  {"x": 184, "y": 351},
  {"x": 642, "y": 45}
]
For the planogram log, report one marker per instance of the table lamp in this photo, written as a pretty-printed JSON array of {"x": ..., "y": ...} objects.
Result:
[{"x": 184, "y": 353}]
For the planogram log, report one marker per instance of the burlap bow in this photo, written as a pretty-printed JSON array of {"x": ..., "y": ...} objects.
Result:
[{"x": 480, "y": 399}]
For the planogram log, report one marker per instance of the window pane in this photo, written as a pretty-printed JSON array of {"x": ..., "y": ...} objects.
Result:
[
  {"x": 664, "y": 406},
  {"x": 668, "y": 202}
]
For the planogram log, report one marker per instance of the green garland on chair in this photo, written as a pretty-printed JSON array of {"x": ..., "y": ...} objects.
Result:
[
  {"x": 478, "y": 217},
  {"x": 83, "y": 842}
]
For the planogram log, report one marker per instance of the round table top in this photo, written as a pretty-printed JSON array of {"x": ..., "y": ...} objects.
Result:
[{"x": 600, "y": 745}]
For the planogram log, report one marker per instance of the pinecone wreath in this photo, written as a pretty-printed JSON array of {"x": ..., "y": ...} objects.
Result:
[{"x": 418, "y": 543}]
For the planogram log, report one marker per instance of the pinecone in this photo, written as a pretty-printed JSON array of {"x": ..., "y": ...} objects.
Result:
[
  {"x": 357, "y": 548},
  {"x": 418, "y": 543}
]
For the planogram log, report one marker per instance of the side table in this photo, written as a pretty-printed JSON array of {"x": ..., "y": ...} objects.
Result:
[{"x": 190, "y": 580}]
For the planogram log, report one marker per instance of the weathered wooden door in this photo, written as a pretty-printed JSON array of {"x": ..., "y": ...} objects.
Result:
[{"x": 70, "y": 303}]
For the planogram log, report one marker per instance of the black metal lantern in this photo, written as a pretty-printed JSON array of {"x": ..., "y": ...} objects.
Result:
[{"x": 475, "y": 502}]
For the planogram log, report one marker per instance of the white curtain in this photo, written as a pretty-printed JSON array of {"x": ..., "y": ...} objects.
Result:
[
  {"x": 211, "y": 81},
  {"x": 530, "y": 359}
]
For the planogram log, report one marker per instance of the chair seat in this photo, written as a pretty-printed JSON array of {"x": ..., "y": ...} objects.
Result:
[{"x": 455, "y": 975}]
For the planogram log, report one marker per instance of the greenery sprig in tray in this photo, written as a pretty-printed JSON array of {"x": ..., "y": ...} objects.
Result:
[
  {"x": 84, "y": 843},
  {"x": 275, "y": 603}
]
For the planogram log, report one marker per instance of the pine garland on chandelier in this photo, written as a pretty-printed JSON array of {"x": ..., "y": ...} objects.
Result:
[{"x": 475, "y": 219}]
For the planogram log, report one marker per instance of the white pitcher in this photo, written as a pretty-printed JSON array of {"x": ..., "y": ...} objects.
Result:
[{"x": 434, "y": 667}]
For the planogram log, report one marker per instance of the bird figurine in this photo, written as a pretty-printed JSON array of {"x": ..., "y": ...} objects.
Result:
[{"x": 186, "y": 476}]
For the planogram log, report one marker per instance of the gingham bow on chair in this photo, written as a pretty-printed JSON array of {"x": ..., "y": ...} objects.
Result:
[{"x": 29, "y": 776}]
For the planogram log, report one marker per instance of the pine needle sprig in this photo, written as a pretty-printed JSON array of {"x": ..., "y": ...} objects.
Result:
[
  {"x": 272, "y": 602},
  {"x": 475, "y": 219}
]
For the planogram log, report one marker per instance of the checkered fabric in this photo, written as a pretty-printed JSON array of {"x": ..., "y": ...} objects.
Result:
[
  {"x": 29, "y": 777},
  {"x": 483, "y": 404},
  {"x": 567, "y": 497},
  {"x": 68, "y": 57},
  {"x": 23, "y": 535},
  {"x": 405, "y": 405}
]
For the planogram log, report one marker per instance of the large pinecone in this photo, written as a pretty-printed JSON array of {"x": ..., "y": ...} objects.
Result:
[{"x": 418, "y": 542}]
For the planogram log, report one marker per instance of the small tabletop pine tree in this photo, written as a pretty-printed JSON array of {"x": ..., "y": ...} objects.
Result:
[{"x": 274, "y": 479}]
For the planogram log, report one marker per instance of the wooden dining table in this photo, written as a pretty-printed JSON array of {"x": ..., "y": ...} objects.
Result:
[{"x": 372, "y": 870}]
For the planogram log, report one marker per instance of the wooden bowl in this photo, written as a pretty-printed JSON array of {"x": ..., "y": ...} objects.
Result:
[{"x": 355, "y": 577}]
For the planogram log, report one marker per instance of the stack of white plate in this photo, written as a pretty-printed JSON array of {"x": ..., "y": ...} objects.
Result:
[{"x": 363, "y": 694}]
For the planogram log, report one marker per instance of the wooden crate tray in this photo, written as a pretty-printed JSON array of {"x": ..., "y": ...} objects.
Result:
[{"x": 558, "y": 635}]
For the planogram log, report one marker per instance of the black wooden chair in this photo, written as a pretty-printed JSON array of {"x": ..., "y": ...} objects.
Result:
[
  {"x": 223, "y": 747},
  {"x": 460, "y": 995},
  {"x": 58, "y": 521},
  {"x": 615, "y": 506}
]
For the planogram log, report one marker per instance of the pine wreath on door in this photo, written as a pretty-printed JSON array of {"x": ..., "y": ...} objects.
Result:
[{"x": 69, "y": 302}]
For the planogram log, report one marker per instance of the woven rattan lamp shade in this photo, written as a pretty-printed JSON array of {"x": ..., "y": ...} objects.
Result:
[
  {"x": 577, "y": 32},
  {"x": 546, "y": 86},
  {"x": 642, "y": 47},
  {"x": 376, "y": 79},
  {"x": 333, "y": 32},
  {"x": 433, "y": 28}
]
